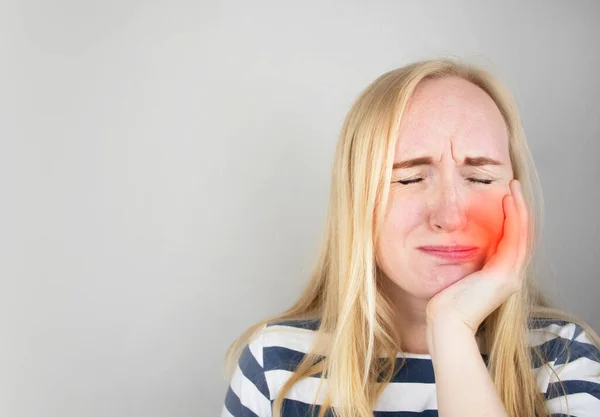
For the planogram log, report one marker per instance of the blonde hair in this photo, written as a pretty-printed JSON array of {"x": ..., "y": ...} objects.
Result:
[{"x": 345, "y": 291}]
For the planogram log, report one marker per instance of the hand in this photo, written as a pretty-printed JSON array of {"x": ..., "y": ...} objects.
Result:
[{"x": 470, "y": 300}]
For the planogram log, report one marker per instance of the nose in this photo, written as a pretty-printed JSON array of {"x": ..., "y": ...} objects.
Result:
[{"x": 448, "y": 210}]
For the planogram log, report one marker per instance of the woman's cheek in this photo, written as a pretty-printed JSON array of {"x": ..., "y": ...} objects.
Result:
[{"x": 488, "y": 215}]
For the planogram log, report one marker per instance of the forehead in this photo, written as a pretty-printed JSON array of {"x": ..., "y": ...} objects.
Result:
[{"x": 452, "y": 111}]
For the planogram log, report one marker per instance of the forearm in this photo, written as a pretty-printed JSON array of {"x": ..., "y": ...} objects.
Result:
[{"x": 463, "y": 383}]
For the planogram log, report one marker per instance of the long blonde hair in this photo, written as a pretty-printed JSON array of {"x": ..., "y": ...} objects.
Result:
[{"x": 345, "y": 291}]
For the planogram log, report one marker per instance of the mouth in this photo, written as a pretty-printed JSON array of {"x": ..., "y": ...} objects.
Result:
[{"x": 455, "y": 253}]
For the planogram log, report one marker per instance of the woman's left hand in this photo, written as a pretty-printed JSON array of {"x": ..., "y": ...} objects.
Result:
[{"x": 470, "y": 300}]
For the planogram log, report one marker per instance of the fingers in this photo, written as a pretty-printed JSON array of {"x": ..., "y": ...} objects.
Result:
[
  {"x": 508, "y": 247},
  {"x": 512, "y": 248}
]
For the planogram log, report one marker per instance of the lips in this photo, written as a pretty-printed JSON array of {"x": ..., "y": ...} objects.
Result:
[
  {"x": 452, "y": 248},
  {"x": 456, "y": 253}
]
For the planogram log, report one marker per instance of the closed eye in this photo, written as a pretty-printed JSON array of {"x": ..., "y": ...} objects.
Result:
[
  {"x": 474, "y": 180},
  {"x": 480, "y": 181},
  {"x": 406, "y": 182}
]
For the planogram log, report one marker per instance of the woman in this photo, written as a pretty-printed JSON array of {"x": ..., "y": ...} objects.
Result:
[{"x": 423, "y": 299}]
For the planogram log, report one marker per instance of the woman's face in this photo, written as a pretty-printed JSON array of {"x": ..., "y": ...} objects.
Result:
[{"x": 454, "y": 125}]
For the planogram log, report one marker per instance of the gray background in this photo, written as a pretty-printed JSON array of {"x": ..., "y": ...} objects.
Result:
[{"x": 165, "y": 169}]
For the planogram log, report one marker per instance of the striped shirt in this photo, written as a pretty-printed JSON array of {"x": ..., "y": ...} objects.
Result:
[{"x": 269, "y": 359}]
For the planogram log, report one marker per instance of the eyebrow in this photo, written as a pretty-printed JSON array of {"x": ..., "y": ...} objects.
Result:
[{"x": 475, "y": 161}]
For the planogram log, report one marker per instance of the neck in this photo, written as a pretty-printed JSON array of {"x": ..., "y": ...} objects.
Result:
[{"x": 410, "y": 320}]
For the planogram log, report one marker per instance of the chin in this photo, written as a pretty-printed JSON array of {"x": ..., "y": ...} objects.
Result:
[{"x": 450, "y": 274}]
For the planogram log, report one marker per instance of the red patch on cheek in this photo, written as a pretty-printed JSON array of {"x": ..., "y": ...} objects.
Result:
[{"x": 488, "y": 219}]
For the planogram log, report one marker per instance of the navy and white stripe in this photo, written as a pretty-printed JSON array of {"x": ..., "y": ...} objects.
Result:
[
  {"x": 271, "y": 358},
  {"x": 580, "y": 377}
]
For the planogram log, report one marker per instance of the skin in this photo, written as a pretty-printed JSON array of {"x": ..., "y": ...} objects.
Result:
[
  {"x": 441, "y": 303},
  {"x": 447, "y": 120},
  {"x": 454, "y": 314}
]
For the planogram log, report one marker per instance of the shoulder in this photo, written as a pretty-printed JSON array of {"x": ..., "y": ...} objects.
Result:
[
  {"x": 286, "y": 342},
  {"x": 248, "y": 392},
  {"x": 284, "y": 346},
  {"x": 566, "y": 365},
  {"x": 560, "y": 340},
  {"x": 267, "y": 360},
  {"x": 278, "y": 345}
]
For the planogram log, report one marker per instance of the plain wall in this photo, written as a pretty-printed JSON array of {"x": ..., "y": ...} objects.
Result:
[{"x": 165, "y": 170}]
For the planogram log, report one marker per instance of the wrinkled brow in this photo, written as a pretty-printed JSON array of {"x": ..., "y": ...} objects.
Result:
[{"x": 427, "y": 160}]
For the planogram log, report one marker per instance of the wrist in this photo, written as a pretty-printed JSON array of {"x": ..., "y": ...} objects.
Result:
[
  {"x": 448, "y": 335},
  {"x": 449, "y": 323}
]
